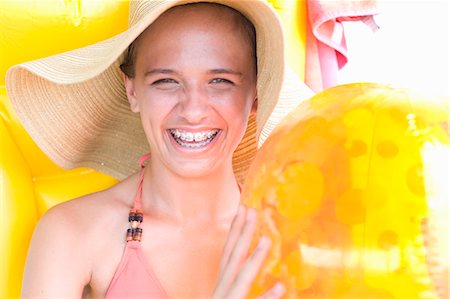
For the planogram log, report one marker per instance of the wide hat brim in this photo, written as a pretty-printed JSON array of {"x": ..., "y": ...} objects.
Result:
[{"x": 74, "y": 104}]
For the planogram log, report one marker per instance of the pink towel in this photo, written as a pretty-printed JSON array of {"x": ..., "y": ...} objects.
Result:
[{"x": 326, "y": 50}]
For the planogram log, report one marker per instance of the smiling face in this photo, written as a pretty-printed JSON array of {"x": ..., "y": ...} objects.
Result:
[{"x": 194, "y": 85}]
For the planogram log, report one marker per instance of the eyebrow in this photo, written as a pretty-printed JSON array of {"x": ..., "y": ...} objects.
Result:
[
  {"x": 225, "y": 71},
  {"x": 159, "y": 71}
]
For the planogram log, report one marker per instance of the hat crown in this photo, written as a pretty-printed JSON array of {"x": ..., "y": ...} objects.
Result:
[{"x": 140, "y": 8}]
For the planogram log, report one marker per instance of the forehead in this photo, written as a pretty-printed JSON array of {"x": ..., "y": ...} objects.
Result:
[
  {"x": 211, "y": 13},
  {"x": 200, "y": 17},
  {"x": 212, "y": 34}
]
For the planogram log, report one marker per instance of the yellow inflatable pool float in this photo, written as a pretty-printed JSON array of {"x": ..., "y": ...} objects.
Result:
[{"x": 29, "y": 182}]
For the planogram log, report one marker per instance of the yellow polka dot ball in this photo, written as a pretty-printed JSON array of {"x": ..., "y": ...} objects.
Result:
[{"x": 353, "y": 190}]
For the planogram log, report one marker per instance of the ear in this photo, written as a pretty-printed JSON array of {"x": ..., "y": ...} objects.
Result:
[
  {"x": 131, "y": 93},
  {"x": 254, "y": 106}
]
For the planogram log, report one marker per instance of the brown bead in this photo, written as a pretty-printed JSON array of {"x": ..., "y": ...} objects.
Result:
[
  {"x": 129, "y": 235},
  {"x": 138, "y": 234}
]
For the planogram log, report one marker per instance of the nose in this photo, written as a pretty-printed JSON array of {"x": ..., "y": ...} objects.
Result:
[{"x": 194, "y": 105}]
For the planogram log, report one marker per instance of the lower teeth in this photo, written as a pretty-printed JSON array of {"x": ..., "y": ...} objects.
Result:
[{"x": 193, "y": 145}]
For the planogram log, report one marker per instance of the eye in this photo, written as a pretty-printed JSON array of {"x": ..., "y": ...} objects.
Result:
[
  {"x": 165, "y": 84},
  {"x": 164, "y": 81},
  {"x": 221, "y": 81}
]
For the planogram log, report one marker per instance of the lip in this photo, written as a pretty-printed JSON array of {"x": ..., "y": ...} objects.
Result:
[
  {"x": 202, "y": 149},
  {"x": 193, "y": 130}
]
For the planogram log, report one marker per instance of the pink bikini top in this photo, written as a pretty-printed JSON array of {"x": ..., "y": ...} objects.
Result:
[{"x": 133, "y": 277}]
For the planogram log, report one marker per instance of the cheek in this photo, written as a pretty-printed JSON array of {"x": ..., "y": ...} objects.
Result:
[
  {"x": 241, "y": 110},
  {"x": 235, "y": 111},
  {"x": 154, "y": 102},
  {"x": 154, "y": 110},
  {"x": 242, "y": 97}
]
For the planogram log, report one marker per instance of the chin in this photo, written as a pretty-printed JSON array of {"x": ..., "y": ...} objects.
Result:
[{"x": 197, "y": 170}]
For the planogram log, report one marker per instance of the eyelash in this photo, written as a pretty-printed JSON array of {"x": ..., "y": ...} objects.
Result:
[
  {"x": 221, "y": 80},
  {"x": 163, "y": 81}
]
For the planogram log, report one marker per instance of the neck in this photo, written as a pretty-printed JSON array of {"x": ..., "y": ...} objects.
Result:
[{"x": 213, "y": 198}]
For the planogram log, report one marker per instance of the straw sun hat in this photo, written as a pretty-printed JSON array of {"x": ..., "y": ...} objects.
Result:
[{"x": 74, "y": 104}]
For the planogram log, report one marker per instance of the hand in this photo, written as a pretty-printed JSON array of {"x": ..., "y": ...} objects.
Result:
[{"x": 238, "y": 270}]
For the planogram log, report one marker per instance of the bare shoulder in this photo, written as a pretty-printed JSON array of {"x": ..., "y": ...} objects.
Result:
[
  {"x": 81, "y": 213},
  {"x": 73, "y": 228},
  {"x": 70, "y": 236}
]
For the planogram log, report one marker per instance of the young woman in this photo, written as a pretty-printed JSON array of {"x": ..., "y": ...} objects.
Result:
[{"x": 195, "y": 75}]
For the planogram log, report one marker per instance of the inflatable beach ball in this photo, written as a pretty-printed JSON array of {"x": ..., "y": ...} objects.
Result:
[{"x": 353, "y": 190}]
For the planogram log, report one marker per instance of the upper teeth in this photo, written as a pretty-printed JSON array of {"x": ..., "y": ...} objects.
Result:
[{"x": 190, "y": 136}]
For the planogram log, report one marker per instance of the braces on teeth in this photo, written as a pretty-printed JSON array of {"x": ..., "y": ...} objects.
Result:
[{"x": 193, "y": 140}]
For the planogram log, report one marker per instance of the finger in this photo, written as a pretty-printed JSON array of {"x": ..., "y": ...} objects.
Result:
[
  {"x": 239, "y": 253},
  {"x": 276, "y": 292},
  {"x": 233, "y": 235},
  {"x": 249, "y": 271}
]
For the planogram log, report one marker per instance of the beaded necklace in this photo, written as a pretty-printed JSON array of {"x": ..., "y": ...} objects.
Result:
[{"x": 136, "y": 216}]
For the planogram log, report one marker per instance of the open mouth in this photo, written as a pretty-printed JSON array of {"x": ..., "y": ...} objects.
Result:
[{"x": 193, "y": 140}]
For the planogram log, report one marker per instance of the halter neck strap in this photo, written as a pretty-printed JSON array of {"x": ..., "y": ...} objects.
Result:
[{"x": 137, "y": 198}]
